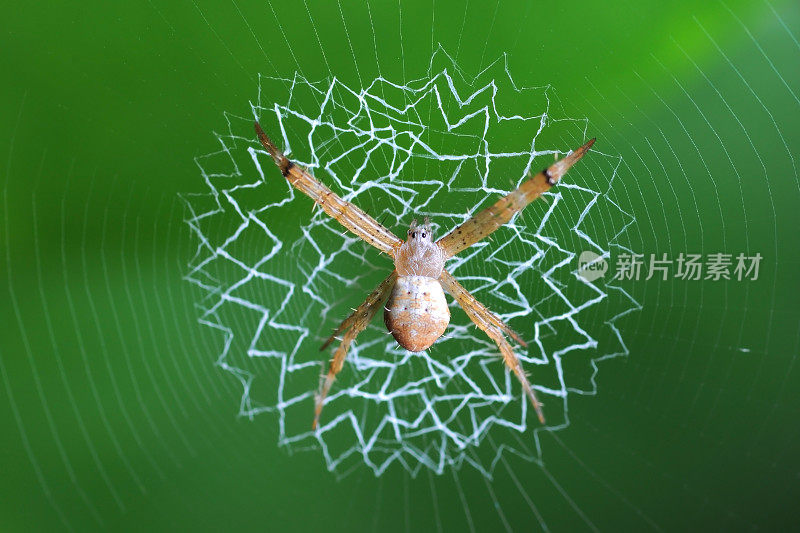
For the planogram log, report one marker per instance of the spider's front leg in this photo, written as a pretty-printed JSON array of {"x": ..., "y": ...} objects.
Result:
[
  {"x": 493, "y": 217},
  {"x": 494, "y": 328},
  {"x": 354, "y": 324},
  {"x": 350, "y": 216}
]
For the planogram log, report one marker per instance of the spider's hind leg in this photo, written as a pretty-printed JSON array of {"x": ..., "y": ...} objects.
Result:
[
  {"x": 354, "y": 324},
  {"x": 494, "y": 328}
]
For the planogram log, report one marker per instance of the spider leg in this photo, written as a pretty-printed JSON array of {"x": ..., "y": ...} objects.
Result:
[
  {"x": 354, "y": 324},
  {"x": 490, "y": 219},
  {"x": 450, "y": 284},
  {"x": 348, "y": 215},
  {"x": 494, "y": 328}
]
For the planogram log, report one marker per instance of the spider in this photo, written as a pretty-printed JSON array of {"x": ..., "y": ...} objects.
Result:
[{"x": 416, "y": 313}]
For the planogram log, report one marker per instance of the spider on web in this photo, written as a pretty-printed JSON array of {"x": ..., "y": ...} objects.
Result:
[{"x": 416, "y": 313}]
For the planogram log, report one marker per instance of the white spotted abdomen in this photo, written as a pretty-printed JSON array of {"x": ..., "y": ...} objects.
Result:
[{"x": 416, "y": 313}]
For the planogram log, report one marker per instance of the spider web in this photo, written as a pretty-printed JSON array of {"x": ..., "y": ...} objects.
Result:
[{"x": 276, "y": 279}]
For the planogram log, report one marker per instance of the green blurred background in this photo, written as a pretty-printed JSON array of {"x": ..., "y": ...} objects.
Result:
[{"x": 114, "y": 415}]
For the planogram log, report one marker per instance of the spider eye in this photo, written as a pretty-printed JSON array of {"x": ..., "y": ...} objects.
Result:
[
  {"x": 413, "y": 234},
  {"x": 423, "y": 234}
]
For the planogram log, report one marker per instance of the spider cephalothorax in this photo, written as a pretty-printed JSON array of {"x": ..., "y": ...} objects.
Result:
[
  {"x": 419, "y": 255},
  {"x": 416, "y": 312}
]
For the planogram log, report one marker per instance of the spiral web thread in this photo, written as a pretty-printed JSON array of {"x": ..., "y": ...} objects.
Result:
[{"x": 275, "y": 278}]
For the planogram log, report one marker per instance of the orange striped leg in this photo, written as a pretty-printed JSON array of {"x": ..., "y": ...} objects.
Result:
[
  {"x": 494, "y": 328},
  {"x": 490, "y": 219},
  {"x": 348, "y": 215},
  {"x": 352, "y": 326}
]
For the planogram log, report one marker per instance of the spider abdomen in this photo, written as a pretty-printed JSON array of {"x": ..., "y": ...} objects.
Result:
[{"x": 416, "y": 313}]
